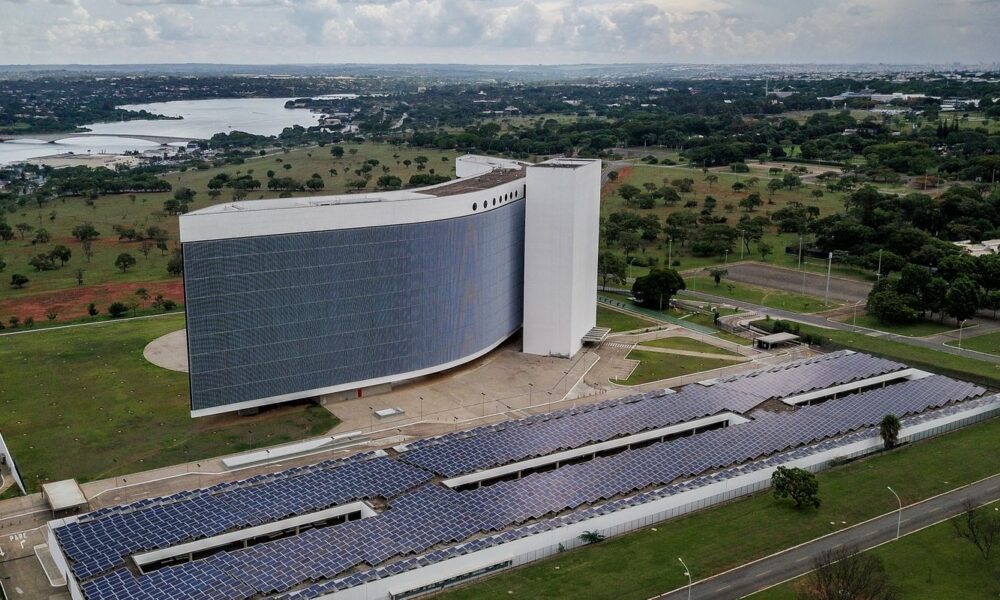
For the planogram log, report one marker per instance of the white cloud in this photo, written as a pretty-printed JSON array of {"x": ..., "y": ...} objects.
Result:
[{"x": 501, "y": 30}]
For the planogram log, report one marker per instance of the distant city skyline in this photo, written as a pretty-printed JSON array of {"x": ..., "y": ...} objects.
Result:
[{"x": 498, "y": 32}]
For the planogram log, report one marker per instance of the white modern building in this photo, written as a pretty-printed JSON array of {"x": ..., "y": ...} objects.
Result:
[{"x": 303, "y": 297}]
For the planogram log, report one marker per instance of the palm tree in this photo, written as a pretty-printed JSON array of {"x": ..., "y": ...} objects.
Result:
[{"x": 889, "y": 430}]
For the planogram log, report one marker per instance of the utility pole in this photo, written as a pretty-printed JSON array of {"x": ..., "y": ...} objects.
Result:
[
  {"x": 878, "y": 275},
  {"x": 829, "y": 269},
  {"x": 800, "y": 251},
  {"x": 670, "y": 253}
]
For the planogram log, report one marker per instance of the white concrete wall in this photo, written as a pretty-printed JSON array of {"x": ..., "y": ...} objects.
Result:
[
  {"x": 562, "y": 213},
  {"x": 472, "y": 165}
]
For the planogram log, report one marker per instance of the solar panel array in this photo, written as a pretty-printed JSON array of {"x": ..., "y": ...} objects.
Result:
[
  {"x": 407, "y": 564},
  {"x": 429, "y": 515},
  {"x": 495, "y": 445},
  {"x": 98, "y": 541}
]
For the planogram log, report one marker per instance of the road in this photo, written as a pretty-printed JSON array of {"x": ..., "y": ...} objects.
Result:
[
  {"x": 799, "y": 282},
  {"x": 52, "y": 138},
  {"x": 821, "y": 321},
  {"x": 791, "y": 563}
]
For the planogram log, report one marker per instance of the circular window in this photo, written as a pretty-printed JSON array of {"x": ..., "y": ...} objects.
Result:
[
  {"x": 474, "y": 206},
  {"x": 494, "y": 202}
]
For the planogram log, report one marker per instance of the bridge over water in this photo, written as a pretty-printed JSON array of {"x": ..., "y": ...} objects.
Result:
[{"x": 54, "y": 138}]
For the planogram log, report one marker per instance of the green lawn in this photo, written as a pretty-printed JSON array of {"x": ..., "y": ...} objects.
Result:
[
  {"x": 927, "y": 565},
  {"x": 644, "y": 563},
  {"x": 686, "y": 343},
  {"x": 988, "y": 343},
  {"x": 654, "y": 366},
  {"x": 619, "y": 321},
  {"x": 914, "y": 355},
  {"x": 918, "y": 329},
  {"x": 758, "y": 295},
  {"x": 88, "y": 393}
]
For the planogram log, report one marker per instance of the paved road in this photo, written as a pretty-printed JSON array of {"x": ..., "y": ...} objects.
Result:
[
  {"x": 821, "y": 321},
  {"x": 774, "y": 569}
]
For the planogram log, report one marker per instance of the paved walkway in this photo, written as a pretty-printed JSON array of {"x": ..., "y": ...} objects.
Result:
[{"x": 788, "y": 564}]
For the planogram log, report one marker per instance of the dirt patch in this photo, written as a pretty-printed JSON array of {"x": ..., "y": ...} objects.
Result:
[
  {"x": 72, "y": 303},
  {"x": 623, "y": 174}
]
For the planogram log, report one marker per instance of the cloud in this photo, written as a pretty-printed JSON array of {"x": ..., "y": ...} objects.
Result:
[{"x": 502, "y": 30}]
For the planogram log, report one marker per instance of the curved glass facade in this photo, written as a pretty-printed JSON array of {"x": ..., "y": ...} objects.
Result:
[{"x": 285, "y": 315}]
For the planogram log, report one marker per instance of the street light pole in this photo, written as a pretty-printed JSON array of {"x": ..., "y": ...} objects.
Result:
[
  {"x": 687, "y": 572},
  {"x": 899, "y": 519},
  {"x": 878, "y": 275},
  {"x": 960, "y": 326},
  {"x": 670, "y": 253},
  {"x": 829, "y": 269},
  {"x": 800, "y": 251}
]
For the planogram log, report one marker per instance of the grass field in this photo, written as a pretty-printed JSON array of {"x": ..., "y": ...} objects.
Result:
[
  {"x": 619, "y": 321},
  {"x": 927, "y": 565},
  {"x": 918, "y": 329},
  {"x": 642, "y": 564},
  {"x": 686, "y": 343},
  {"x": 654, "y": 366},
  {"x": 87, "y": 392},
  {"x": 989, "y": 343},
  {"x": 758, "y": 295},
  {"x": 104, "y": 283}
]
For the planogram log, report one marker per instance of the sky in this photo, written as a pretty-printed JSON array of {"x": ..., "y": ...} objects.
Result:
[{"x": 499, "y": 31}]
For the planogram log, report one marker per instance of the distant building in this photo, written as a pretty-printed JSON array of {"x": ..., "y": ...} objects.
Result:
[{"x": 983, "y": 248}]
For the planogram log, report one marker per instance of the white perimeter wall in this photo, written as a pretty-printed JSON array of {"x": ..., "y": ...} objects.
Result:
[{"x": 561, "y": 229}]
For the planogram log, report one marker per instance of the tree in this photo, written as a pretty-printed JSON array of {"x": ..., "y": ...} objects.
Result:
[
  {"x": 41, "y": 237},
  {"x": 889, "y": 430},
  {"x": 146, "y": 247},
  {"x": 125, "y": 261},
  {"x": 657, "y": 288},
  {"x": 184, "y": 195},
  {"x": 6, "y": 232},
  {"x": 175, "y": 266},
  {"x": 795, "y": 483},
  {"x": 612, "y": 176},
  {"x": 79, "y": 276},
  {"x": 628, "y": 192},
  {"x": 3, "y": 265},
  {"x": 42, "y": 262},
  {"x": 764, "y": 248},
  {"x": 18, "y": 281},
  {"x": 92, "y": 309},
  {"x": 610, "y": 266},
  {"x": 85, "y": 232},
  {"x": 978, "y": 526},
  {"x": 711, "y": 178},
  {"x": 739, "y": 186},
  {"x": 337, "y": 151},
  {"x": 591, "y": 537},
  {"x": 162, "y": 247},
  {"x": 752, "y": 201},
  {"x": 773, "y": 186},
  {"x": 315, "y": 183},
  {"x": 117, "y": 309},
  {"x": 847, "y": 574},
  {"x": 142, "y": 294},
  {"x": 629, "y": 241},
  {"x": 51, "y": 314},
  {"x": 24, "y": 229},
  {"x": 61, "y": 253},
  {"x": 962, "y": 299},
  {"x": 389, "y": 182},
  {"x": 717, "y": 274}
]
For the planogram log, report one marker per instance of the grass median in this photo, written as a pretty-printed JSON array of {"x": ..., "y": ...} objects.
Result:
[
  {"x": 644, "y": 563},
  {"x": 654, "y": 366}
]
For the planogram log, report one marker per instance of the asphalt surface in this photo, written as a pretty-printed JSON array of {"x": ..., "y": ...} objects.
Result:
[
  {"x": 777, "y": 568},
  {"x": 821, "y": 321},
  {"x": 799, "y": 282}
]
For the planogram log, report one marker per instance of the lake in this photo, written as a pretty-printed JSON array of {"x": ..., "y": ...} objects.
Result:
[{"x": 201, "y": 119}]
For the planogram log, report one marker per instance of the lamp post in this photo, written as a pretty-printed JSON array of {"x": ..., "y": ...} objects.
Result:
[
  {"x": 856, "y": 305},
  {"x": 960, "y": 326},
  {"x": 670, "y": 252},
  {"x": 899, "y": 518},
  {"x": 687, "y": 572},
  {"x": 829, "y": 269}
]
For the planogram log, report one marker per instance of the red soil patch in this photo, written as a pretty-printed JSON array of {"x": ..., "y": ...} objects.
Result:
[
  {"x": 623, "y": 174},
  {"x": 72, "y": 303}
]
